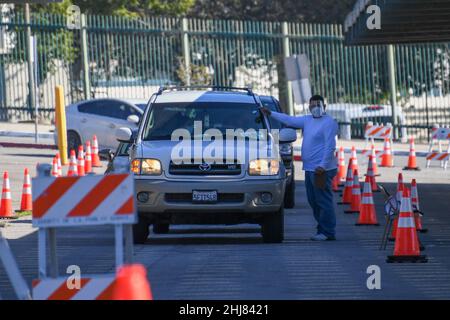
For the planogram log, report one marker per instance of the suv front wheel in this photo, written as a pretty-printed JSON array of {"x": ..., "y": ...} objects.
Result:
[{"x": 272, "y": 227}]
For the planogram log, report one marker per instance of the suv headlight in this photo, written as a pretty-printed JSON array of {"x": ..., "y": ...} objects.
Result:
[
  {"x": 263, "y": 167},
  {"x": 150, "y": 167}
]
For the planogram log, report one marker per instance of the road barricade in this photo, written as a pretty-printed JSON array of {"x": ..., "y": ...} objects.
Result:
[
  {"x": 81, "y": 201},
  {"x": 439, "y": 135}
]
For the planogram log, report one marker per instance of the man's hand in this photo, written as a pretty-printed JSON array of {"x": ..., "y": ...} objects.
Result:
[
  {"x": 319, "y": 171},
  {"x": 265, "y": 111}
]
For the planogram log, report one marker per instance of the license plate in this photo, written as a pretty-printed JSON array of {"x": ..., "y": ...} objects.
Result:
[{"x": 204, "y": 196}]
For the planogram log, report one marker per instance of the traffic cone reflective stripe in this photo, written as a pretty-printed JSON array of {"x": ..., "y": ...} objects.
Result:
[
  {"x": 73, "y": 169},
  {"x": 6, "y": 202},
  {"x": 132, "y": 284},
  {"x": 371, "y": 175},
  {"x": 55, "y": 172},
  {"x": 367, "y": 214},
  {"x": 412, "y": 160},
  {"x": 88, "y": 158},
  {"x": 386, "y": 158},
  {"x": 407, "y": 247},
  {"x": 347, "y": 193},
  {"x": 341, "y": 167},
  {"x": 95, "y": 158},
  {"x": 398, "y": 196},
  {"x": 354, "y": 159},
  {"x": 80, "y": 163},
  {"x": 26, "y": 203},
  {"x": 356, "y": 195}
]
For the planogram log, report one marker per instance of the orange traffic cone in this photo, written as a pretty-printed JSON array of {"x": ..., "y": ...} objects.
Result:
[
  {"x": 386, "y": 158},
  {"x": 367, "y": 214},
  {"x": 416, "y": 207},
  {"x": 412, "y": 161},
  {"x": 371, "y": 175},
  {"x": 88, "y": 158},
  {"x": 132, "y": 284},
  {"x": 55, "y": 171},
  {"x": 6, "y": 211},
  {"x": 354, "y": 160},
  {"x": 26, "y": 203},
  {"x": 356, "y": 195},
  {"x": 95, "y": 158},
  {"x": 58, "y": 160},
  {"x": 407, "y": 246},
  {"x": 347, "y": 193},
  {"x": 341, "y": 167},
  {"x": 335, "y": 184},
  {"x": 73, "y": 169},
  {"x": 374, "y": 161},
  {"x": 80, "y": 163}
]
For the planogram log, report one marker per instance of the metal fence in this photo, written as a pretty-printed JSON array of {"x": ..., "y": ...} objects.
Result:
[{"x": 129, "y": 58}]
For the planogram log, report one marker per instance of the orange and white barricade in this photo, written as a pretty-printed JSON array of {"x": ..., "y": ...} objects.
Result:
[
  {"x": 438, "y": 136},
  {"x": 63, "y": 202},
  {"x": 87, "y": 288},
  {"x": 377, "y": 131}
]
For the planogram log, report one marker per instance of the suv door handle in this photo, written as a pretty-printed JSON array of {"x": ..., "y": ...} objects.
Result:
[
  {"x": 112, "y": 125},
  {"x": 84, "y": 120}
]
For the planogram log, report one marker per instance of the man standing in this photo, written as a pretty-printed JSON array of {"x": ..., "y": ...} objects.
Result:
[{"x": 319, "y": 162}]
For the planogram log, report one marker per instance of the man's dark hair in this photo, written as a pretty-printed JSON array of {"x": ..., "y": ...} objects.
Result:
[{"x": 317, "y": 97}]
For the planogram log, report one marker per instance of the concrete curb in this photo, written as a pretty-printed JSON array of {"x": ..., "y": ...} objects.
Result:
[
  {"x": 27, "y": 145},
  {"x": 25, "y": 134}
]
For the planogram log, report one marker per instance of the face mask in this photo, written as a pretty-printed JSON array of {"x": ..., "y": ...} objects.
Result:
[{"x": 318, "y": 111}]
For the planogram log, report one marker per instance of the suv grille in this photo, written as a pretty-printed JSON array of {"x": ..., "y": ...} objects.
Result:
[{"x": 204, "y": 169}]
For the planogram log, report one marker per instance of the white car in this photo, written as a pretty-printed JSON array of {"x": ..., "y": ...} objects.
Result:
[{"x": 101, "y": 117}]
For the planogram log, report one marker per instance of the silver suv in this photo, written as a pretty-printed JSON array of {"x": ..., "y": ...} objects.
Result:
[{"x": 185, "y": 173}]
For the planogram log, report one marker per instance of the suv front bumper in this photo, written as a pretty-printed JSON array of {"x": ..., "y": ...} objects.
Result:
[{"x": 233, "y": 195}]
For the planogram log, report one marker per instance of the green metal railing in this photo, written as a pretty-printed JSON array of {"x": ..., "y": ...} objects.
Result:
[{"x": 130, "y": 58}]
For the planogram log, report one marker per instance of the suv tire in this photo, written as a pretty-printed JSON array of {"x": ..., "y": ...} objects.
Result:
[
  {"x": 272, "y": 227},
  {"x": 141, "y": 231},
  {"x": 289, "y": 195},
  {"x": 161, "y": 228},
  {"x": 73, "y": 141}
]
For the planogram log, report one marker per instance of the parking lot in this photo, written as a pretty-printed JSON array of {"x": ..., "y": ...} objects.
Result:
[{"x": 232, "y": 262}]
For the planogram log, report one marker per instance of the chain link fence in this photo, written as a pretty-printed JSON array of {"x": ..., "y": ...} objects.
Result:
[{"x": 130, "y": 58}]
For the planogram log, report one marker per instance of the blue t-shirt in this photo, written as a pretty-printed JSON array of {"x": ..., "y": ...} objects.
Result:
[{"x": 319, "y": 139}]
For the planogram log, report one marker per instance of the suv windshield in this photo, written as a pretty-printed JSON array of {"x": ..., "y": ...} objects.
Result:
[{"x": 164, "y": 118}]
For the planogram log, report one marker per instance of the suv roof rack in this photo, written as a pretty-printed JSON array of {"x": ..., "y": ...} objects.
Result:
[{"x": 219, "y": 88}]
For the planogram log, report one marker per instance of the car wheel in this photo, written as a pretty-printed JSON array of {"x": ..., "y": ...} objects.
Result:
[
  {"x": 272, "y": 227},
  {"x": 141, "y": 231},
  {"x": 73, "y": 141},
  {"x": 161, "y": 228},
  {"x": 289, "y": 195}
]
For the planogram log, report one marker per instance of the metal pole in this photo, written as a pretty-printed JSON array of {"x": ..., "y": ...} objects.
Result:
[
  {"x": 186, "y": 55},
  {"x": 30, "y": 56},
  {"x": 392, "y": 87},
  {"x": 85, "y": 59},
  {"x": 286, "y": 53},
  {"x": 36, "y": 107}
]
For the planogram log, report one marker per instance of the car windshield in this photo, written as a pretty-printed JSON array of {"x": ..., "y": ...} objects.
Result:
[
  {"x": 164, "y": 118},
  {"x": 141, "y": 106}
]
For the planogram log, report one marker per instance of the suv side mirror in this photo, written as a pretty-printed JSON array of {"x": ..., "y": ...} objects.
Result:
[
  {"x": 124, "y": 134},
  {"x": 288, "y": 135},
  {"x": 133, "y": 118}
]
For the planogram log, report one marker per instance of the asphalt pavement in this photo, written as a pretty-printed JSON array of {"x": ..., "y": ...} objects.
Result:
[{"x": 232, "y": 262}]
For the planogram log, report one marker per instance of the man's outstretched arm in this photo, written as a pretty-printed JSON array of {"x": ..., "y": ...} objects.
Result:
[{"x": 290, "y": 121}]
